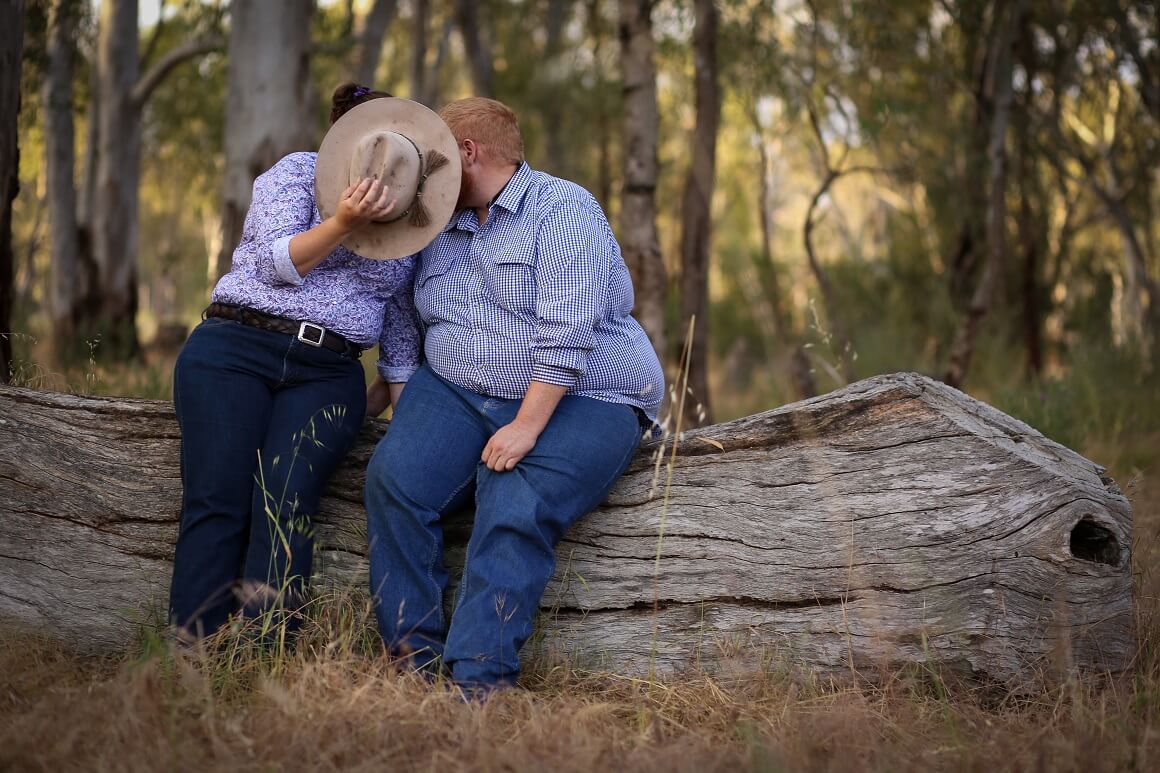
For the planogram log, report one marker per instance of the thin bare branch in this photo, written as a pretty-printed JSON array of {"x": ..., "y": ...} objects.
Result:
[{"x": 158, "y": 72}]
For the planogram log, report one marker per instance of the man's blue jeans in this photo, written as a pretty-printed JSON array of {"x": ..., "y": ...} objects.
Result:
[
  {"x": 243, "y": 394},
  {"x": 429, "y": 465}
]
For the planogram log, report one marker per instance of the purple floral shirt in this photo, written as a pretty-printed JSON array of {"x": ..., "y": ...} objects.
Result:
[{"x": 367, "y": 301}]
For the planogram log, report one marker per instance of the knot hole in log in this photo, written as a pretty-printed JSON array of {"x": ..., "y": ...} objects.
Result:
[{"x": 1092, "y": 542}]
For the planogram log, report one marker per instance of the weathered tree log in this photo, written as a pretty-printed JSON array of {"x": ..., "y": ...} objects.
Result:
[{"x": 896, "y": 521}]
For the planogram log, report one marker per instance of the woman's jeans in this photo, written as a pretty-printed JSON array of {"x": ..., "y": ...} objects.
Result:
[
  {"x": 265, "y": 420},
  {"x": 429, "y": 465}
]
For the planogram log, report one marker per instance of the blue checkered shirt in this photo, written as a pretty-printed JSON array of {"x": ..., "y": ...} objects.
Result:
[{"x": 539, "y": 292}]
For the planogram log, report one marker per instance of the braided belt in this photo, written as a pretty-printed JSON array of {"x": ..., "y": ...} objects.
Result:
[{"x": 306, "y": 332}]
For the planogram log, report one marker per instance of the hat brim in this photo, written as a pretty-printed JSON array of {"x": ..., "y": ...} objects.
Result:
[{"x": 397, "y": 239}]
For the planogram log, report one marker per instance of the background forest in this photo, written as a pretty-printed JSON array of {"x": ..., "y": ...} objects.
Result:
[
  {"x": 835, "y": 189},
  {"x": 831, "y": 189}
]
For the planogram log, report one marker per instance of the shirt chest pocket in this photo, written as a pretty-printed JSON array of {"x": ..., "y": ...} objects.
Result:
[
  {"x": 432, "y": 266},
  {"x": 432, "y": 285},
  {"x": 510, "y": 278}
]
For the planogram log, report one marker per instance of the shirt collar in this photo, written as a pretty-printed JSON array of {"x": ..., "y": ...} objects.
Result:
[
  {"x": 508, "y": 198},
  {"x": 513, "y": 193}
]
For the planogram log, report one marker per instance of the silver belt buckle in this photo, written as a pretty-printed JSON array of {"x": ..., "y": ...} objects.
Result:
[{"x": 308, "y": 328}]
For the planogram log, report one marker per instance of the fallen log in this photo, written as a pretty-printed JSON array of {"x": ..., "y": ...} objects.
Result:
[{"x": 893, "y": 522}]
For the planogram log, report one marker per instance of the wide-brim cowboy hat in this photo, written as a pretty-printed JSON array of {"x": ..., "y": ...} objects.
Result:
[{"x": 407, "y": 146}]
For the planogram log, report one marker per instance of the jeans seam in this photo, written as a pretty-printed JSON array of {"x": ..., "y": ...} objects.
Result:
[
  {"x": 283, "y": 378},
  {"x": 434, "y": 545},
  {"x": 454, "y": 493}
]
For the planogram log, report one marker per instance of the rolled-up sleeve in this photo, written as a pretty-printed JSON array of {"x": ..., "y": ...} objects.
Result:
[
  {"x": 281, "y": 208},
  {"x": 400, "y": 342},
  {"x": 571, "y": 293},
  {"x": 283, "y": 263}
]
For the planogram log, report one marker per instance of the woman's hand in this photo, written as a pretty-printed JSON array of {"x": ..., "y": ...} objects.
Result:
[
  {"x": 380, "y": 394},
  {"x": 378, "y": 397},
  {"x": 359, "y": 204},
  {"x": 363, "y": 202}
]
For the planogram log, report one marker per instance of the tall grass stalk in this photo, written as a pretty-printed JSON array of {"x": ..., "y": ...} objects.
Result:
[{"x": 679, "y": 412}]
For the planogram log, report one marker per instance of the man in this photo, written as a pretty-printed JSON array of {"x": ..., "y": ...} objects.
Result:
[{"x": 536, "y": 389}]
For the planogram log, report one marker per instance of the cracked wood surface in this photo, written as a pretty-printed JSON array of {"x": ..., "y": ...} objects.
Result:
[{"x": 893, "y": 522}]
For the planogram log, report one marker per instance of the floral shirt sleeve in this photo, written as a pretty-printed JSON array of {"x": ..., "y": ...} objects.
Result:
[
  {"x": 282, "y": 207},
  {"x": 400, "y": 343}
]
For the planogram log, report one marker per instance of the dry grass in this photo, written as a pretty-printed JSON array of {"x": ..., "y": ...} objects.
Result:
[
  {"x": 335, "y": 705},
  {"x": 340, "y": 714}
]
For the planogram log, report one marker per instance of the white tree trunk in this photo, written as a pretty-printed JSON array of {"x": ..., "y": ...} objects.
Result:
[
  {"x": 895, "y": 522},
  {"x": 638, "y": 222},
  {"x": 270, "y": 106},
  {"x": 115, "y": 223}
]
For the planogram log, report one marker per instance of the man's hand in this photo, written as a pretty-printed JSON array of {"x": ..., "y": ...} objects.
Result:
[
  {"x": 363, "y": 202},
  {"x": 508, "y": 445},
  {"x": 512, "y": 442}
]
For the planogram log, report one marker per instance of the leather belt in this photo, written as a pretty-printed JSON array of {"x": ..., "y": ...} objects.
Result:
[{"x": 306, "y": 332}]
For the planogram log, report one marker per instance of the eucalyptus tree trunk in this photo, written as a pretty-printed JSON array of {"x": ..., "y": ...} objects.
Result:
[
  {"x": 638, "y": 219},
  {"x": 696, "y": 211},
  {"x": 978, "y": 25},
  {"x": 985, "y": 292},
  {"x": 434, "y": 95},
  {"x": 549, "y": 74},
  {"x": 1141, "y": 297},
  {"x": 771, "y": 304},
  {"x": 477, "y": 46},
  {"x": 1032, "y": 226},
  {"x": 596, "y": 31},
  {"x": 87, "y": 195},
  {"x": 269, "y": 102},
  {"x": 115, "y": 226},
  {"x": 121, "y": 94},
  {"x": 66, "y": 275},
  {"x": 11, "y": 55},
  {"x": 370, "y": 40},
  {"x": 420, "y": 17}
]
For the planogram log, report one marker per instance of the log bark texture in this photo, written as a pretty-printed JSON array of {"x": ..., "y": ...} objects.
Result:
[{"x": 894, "y": 522}]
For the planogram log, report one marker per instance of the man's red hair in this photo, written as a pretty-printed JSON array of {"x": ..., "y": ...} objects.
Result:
[{"x": 489, "y": 123}]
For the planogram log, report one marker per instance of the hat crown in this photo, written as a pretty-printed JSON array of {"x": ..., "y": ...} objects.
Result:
[
  {"x": 394, "y": 160},
  {"x": 410, "y": 149}
]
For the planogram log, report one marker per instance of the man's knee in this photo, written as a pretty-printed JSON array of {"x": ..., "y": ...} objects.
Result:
[{"x": 383, "y": 468}]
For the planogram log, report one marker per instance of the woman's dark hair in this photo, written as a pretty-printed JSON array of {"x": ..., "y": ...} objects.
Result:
[{"x": 348, "y": 95}]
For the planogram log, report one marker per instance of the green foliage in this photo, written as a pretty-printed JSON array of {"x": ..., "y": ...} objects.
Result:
[{"x": 1104, "y": 405}]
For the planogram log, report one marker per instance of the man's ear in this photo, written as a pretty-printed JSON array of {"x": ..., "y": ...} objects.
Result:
[{"x": 469, "y": 150}]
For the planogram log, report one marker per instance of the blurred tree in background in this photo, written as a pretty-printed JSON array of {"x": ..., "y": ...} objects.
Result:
[{"x": 961, "y": 187}]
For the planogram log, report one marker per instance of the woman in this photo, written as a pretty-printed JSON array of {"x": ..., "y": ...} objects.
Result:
[{"x": 269, "y": 390}]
